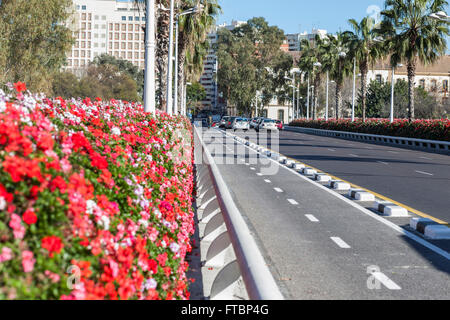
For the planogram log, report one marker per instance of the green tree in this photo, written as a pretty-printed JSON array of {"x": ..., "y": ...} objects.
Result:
[
  {"x": 124, "y": 66},
  {"x": 413, "y": 36},
  {"x": 34, "y": 41},
  {"x": 366, "y": 50},
  {"x": 195, "y": 93}
]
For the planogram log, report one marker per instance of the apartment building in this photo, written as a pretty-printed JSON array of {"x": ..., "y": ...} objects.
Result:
[
  {"x": 213, "y": 101},
  {"x": 295, "y": 39},
  {"x": 114, "y": 27}
]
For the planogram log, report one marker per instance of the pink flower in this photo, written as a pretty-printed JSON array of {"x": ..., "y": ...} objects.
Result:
[
  {"x": 52, "y": 276},
  {"x": 16, "y": 224},
  {"x": 28, "y": 261},
  {"x": 6, "y": 254}
]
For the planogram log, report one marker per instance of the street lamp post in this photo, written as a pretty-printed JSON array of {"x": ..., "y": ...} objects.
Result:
[
  {"x": 354, "y": 89},
  {"x": 327, "y": 95},
  {"x": 392, "y": 92},
  {"x": 169, "y": 96},
  {"x": 307, "y": 100},
  {"x": 192, "y": 10},
  {"x": 150, "y": 45}
]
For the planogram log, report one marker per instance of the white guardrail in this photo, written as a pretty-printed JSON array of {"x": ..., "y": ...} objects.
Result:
[
  {"x": 217, "y": 207},
  {"x": 434, "y": 145}
]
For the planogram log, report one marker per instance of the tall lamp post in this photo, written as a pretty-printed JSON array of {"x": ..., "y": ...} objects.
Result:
[
  {"x": 150, "y": 45},
  {"x": 327, "y": 95},
  {"x": 392, "y": 91},
  {"x": 189, "y": 11},
  {"x": 354, "y": 89},
  {"x": 169, "y": 95},
  {"x": 314, "y": 109}
]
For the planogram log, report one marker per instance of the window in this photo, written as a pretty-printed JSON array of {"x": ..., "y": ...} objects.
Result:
[
  {"x": 103, "y": 17},
  {"x": 124, "y": 27},
  {"x": 123, "y": 45},
  {"x": 95, "y": 26},
  {"x": 136, "y": 18},
  {"x": 116, "y": 27},
  {"x": 422, "y": 83},
  {"x": 264, "y": 113},
  {"x": 433, "y": 85},
  {"x": 83, "y": 44},
  {"x": 281, "y": 115},
  {"x": 83, "y": 7},
  {"x": 96, "y": 17},
  {"x": 130, "y": 18},
  {"x": 116, "y": 46},
  {"x": 130, "y": 46},
  {"x": 130, "y": 36},
  {"x": 130, "y": 27},
  {"x": 124, "y": 18},
  {"x": 83, "y": 16},
  {"x": 124, "y": 36},
  {"x": 136, "y": 37},
  {"x": 137, "y": 27},
  {"x": 445, "y": 85},
  {"x": 378, "y": 78}
]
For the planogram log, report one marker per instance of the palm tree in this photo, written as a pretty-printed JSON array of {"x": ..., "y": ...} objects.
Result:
[
  {"x": 413, "y": 36},
  {"x": 312, "y": 62},
  {"x": 193, "y": 32},
  {"x": 339, "y": 62},
  {"x": 366, "y": 50}
]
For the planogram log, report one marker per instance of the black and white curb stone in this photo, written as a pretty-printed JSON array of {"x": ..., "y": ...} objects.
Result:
[
  {"x": 339, "y": 185},
  {"x": 430, "y": 229},
  {"x": 322, "y": 177},
  {"x": 309, "y": 171},
  {"x": 361, "y": 195},
  {"x": 390, "y": 209}
]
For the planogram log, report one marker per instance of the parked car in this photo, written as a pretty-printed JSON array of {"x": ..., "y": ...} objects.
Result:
[
  {"x": 280, "y": 125},
  {"x": 241, "y": 124},
  {"x": 229, "y": 123},
  {"x": 223, "y": 121},
  {"x": 254, "y": 122},
  {"x": 215, "y": 124},
  {"x": 267, "y": 124}
]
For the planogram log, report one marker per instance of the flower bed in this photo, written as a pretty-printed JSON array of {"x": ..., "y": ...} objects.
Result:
[
  {"x": 95, "y": 200},
  {"x": 419, "y": 129}
]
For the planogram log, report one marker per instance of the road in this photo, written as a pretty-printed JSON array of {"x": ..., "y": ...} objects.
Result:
[
  {"x": 319, "y": 246},
  {"x": 418, "y": 179}
]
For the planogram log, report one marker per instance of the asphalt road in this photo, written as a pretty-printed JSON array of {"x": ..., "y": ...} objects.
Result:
[
  {"x": 420, "y": 180},
  {"x": 319, "y": 246}
]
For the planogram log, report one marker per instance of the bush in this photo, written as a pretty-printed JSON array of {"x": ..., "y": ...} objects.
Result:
[
  {"x": 419, "y": 129},
  {"x": 95, "y": 200}
]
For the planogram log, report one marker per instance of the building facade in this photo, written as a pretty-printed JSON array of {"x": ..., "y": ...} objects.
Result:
[
  {"x": 114, "y": 27},
  {"x": 295, "y": 39}
]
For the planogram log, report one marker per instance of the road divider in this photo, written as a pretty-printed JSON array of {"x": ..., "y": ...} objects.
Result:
[
  {"x": 389, "y": 209},
  {"x": 430, "y": 229},
  {"x": 361, "y": 195},
  {"x": 339, "y": 185}
]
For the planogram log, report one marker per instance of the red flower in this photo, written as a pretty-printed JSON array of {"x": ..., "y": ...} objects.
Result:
[
  {"x": 52, "y": 244},
  {"x": 20, "y": 86},
  {"x": 29, "y": 217}
]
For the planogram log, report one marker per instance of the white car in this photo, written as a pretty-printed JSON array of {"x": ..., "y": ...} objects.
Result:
[
  {"x": 240, "y": 124},
  {"x": 268, "y": 125}
]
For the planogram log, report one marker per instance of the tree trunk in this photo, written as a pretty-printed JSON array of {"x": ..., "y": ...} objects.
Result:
[
  {"x": 363, "y": 68},
  {"x": 316, "y": 94},
  {"x": 411, "y": 84},
  {"x": 338, "y": 99},
  {"x": 162, "y": 55}
]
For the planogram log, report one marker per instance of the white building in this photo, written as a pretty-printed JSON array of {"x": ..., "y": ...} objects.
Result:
[
  {"x": 114, "y": 27},
  {"x": 295, "y": 39},
  {"x": 433, "y": 78}
]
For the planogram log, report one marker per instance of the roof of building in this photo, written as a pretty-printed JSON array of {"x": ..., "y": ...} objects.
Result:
[{"x": 440, "y": 67}]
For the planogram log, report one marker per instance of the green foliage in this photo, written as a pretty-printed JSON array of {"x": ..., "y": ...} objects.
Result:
[
  {"x": 33, "y": 41},
  {"x": 252, "y": 63}
]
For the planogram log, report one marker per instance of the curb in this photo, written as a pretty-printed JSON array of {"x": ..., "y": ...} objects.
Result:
[
  {"x": 430, "y": 229},
  {"x": 361, "y": 195},
  {"x": 390, "y": 209}
]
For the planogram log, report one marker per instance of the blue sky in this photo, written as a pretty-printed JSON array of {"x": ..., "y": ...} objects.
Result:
[{"x": 299, "y": 15}]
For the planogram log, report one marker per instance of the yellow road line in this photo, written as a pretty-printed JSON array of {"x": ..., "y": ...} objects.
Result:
[{"x": 419, "y": 213}]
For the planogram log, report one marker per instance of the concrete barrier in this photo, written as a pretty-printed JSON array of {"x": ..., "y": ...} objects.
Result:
[
  {"x": 411, "y": 143},
  {"x": 389, "y": 209},
  {"x": 430, "y": 229},
  {"x": 339, "y": 185},
  {"x": 361, "y": 195},
  {"x": 322, "y": 177},
  {"x": 309, "y": 171}
]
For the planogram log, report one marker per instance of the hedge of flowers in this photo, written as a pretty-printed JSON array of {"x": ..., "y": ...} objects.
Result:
[
  {"x": 95, "y": 199},
  {"x": 420, "y": 129}
]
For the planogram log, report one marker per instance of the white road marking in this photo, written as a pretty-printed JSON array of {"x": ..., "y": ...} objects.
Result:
[
  {"x": 354, "y": 155},
  {"x": 332, "y": 150},
  {"x": 278, "y": 190},
  {"x": 247, "y": 164},
  {"x": 293, "y": 202},
  {"x": 393, "y": 152},
  {"x": 267, "y": 181},
  {"x": 388, "y": 283},
  {"x": 382, "y": 162},
  {"x": 426, "y": 158},
  {"x": 426, "y": 173},
  {"x": 259, "y": 174},
  {"x": 311, "y": 218},
  {"x": 341, "y": 243},
  {"x": 252, "y": 169}
]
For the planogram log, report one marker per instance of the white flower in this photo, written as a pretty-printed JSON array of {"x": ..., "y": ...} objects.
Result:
[
  {"x": 115, "y": 131},
  {"x": 2, "y": 203},
  {"x": 104, "y": 222},
  {"x": 174, "y": 247},
  {"x": 90, "y": 206}
]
